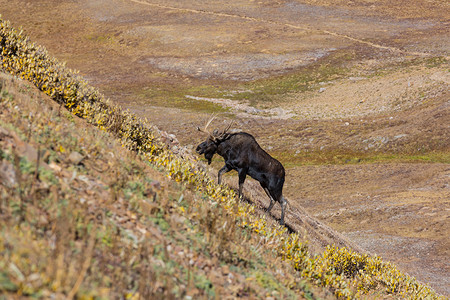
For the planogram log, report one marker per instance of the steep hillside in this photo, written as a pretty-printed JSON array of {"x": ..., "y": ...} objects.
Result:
[
  {"x": 94, "y": 204},
  {"x": 82, "y": 217}
]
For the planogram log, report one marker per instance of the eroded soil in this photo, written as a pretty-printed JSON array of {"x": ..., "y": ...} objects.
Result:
[{"x": 352, "y": 97}]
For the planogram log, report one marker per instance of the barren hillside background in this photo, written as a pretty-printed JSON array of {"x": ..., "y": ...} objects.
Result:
[{"x": 351, "y": 96}]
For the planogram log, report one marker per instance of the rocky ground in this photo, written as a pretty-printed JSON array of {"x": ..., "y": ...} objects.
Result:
[{"x": 352, "y": 97}]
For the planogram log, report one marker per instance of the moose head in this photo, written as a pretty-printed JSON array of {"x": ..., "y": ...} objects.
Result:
[{"x": 209, "y": 146}]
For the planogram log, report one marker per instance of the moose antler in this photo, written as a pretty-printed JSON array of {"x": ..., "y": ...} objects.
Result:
[
  {"x": 215, "y": 135},
  {"x": 224, "y": 132},
  {"x": 205, "y": 129}
]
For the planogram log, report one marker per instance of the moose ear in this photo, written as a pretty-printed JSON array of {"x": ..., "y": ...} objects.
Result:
[{"x": 215, "y": 132}]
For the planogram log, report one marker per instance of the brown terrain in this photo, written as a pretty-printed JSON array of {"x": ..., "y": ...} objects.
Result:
[{"x": 351, "y": 96}]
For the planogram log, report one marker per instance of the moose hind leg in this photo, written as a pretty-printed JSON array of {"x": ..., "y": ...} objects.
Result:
[
  {"x": 272, "y": 201},
  {"x": 283, "y": 204},
  {"x": 278, "y": 196}
]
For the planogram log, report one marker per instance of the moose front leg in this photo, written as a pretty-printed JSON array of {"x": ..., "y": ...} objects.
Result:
[
  {"x": 242, "y": 174},
  {"x": 222, "y": 171}
]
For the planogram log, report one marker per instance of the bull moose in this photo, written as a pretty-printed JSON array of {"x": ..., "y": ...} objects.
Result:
[{"x": 242, "y": 153}]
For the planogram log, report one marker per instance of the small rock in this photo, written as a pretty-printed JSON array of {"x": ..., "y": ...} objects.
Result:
[
  {"x": 75, "y": 158},
  {"x": 178, "y": 219},
  {"x": 225, "y": 270},
  {"x": 55, "y": 167},
  {"x": 3, "y": 133},
  {"x": 400, "y": 136},
  {"x": 173, "y": 139},
  {"x": 7, "y": 174},
  {"x": 42, "y": 220},
  {"x": 169, "y": 139},
  {"x": 321, "y": 90},
  {"x": 356, "y": 78},
  {"x": 25, "y": 149}
]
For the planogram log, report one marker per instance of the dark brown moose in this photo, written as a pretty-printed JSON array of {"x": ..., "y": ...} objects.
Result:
[{"x": 242, "y": 153}]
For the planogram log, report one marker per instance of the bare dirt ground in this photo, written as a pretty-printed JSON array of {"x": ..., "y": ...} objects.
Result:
[{"x": 352, "y": 97}]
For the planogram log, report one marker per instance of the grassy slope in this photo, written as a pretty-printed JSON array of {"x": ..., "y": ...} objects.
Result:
[{"x": 97, "y": 220}]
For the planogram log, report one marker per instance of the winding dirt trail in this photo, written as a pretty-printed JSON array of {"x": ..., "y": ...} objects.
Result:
[{"x": 303, "y": 28}]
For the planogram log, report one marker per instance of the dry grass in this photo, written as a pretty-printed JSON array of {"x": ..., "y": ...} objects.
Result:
[
  {"x": 398, "y": 9},
  {"x": 110, "y": 225}
]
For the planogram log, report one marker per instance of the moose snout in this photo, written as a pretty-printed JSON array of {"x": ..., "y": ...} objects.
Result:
[{"x": 200, "y": 149}]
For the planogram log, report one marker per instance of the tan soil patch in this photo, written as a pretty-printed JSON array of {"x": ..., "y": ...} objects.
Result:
[
  {"x": 398, "y": 211},
  {"x": 364, "y": 96}
]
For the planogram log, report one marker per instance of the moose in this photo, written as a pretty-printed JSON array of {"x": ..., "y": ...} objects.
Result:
[{"x": 242, "y": 153}]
